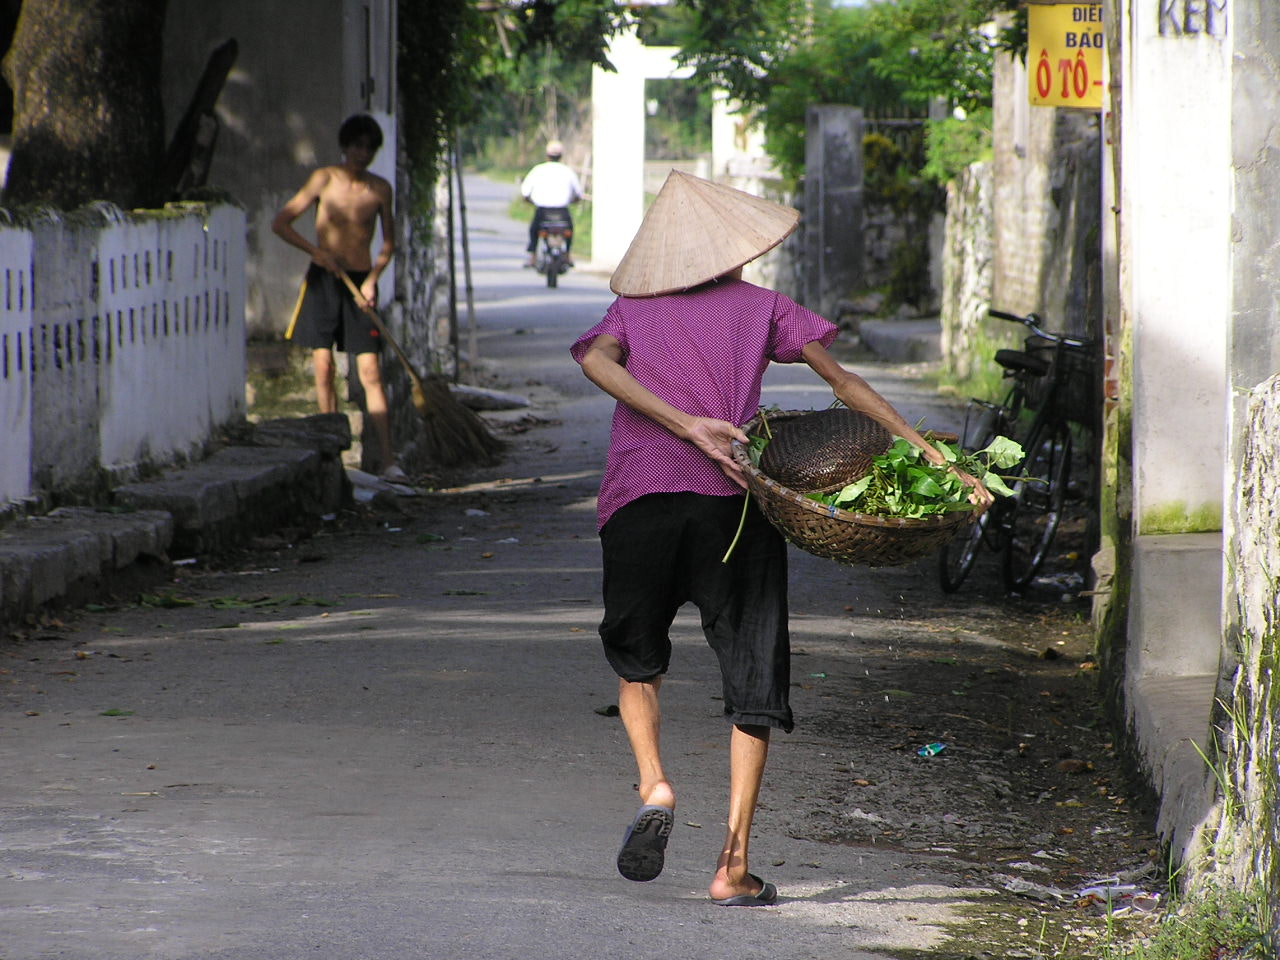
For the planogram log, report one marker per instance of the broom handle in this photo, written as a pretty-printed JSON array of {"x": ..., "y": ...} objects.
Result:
[{"x": 382, "y": 328}]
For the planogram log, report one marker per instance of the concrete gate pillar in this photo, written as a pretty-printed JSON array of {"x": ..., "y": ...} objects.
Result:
[
  {"x": 832, "y": 205},
  {"x": 617, "y": 142}
]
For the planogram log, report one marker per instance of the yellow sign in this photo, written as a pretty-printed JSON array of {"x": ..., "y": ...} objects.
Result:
[{"x": 1064, "y": 54}]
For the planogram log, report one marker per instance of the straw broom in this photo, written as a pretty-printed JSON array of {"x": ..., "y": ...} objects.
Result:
[{"x": 454, "y": 434}]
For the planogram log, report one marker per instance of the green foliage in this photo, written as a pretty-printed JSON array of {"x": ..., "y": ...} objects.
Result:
[
  {"x": 954, "y": 143},
  {"x": 529, "y": 101},
  {"x": 837, "y": 66},
  {"x": 889, "y": 58},
  {"x": 887, "y": 178},
  {"x": 441, "y": 56},
  {"x": 1223, "y": 923},
  {"x": 575, "y": 29},
  {"x": 736, "y": 44},
  {"x": 461, "y": 60},
  {"x": 902, "y": 483},
  {"x": 680, "y": 126},
  {"x": 936, "y": 48}
]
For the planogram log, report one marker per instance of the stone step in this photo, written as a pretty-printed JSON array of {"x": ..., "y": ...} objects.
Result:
[
  {"x": 1171, "y": 669},
  {"x": 1171, "y": 719},
  {"x": 288, "y": 473}
]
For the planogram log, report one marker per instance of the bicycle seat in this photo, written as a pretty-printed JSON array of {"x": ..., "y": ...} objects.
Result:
[{"x": 1016, "y": 361}]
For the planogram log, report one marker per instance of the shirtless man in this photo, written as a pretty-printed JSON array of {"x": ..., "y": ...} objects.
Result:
[{"x": 350, "y": 201}]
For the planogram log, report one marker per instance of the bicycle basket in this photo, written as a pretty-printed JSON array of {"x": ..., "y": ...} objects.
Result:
[
  {"x": 1071, "y": 387},
  {"x": 817, "y": 528}
]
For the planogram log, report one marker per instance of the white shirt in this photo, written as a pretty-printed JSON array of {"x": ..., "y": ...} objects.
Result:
[{"x": 551, "y": 184}]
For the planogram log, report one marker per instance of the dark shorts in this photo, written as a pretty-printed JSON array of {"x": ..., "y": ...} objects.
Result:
[
  {"x": 664, "y": 550},
  {"x": 330, "y": 318}
]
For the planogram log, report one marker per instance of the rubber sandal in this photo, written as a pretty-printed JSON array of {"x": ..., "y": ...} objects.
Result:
[
  {"x": 644, "y": 846},
  {"x": 767, "y": 896}
]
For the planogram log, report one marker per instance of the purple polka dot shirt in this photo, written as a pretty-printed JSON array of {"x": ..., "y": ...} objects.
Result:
[{"x": 704, "y": 352}]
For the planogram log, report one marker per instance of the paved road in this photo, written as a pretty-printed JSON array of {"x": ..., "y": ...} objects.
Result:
[{"x": 380, "y": 745}]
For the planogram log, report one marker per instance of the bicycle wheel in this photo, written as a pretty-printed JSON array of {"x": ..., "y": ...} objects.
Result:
[
  {"x": 959, "y": 554},
  {"x": 984, "y": 422},
  {"x": 1036, "y": 506}
]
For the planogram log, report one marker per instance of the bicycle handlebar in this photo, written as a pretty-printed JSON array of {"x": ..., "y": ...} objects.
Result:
[{"x": 1032, "y": 322}]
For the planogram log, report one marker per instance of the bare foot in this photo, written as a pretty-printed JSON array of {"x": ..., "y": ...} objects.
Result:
[
  {"x": 660, "y": 794},
  {"x": 722, "y": 887},
  {"x": 732, "y": 877}
]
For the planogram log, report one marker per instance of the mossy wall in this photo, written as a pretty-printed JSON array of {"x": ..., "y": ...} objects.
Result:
[
  {"x": 1180, "y": 517},
  {"x": 1243, "y": 837}
]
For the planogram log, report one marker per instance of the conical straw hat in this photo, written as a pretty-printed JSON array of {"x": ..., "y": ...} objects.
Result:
[{"x": 696, "y": 231}]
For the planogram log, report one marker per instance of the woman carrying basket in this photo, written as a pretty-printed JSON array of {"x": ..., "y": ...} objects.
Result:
[{"x": 683, "y": 349}]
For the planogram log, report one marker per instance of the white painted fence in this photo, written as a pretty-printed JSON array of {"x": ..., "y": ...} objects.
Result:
[
  {"x": 15, "y": 365},
  {"x": 128, "y": 344}
]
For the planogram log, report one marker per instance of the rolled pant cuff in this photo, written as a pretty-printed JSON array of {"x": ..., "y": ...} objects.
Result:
[{"x": 778, "y": 719}]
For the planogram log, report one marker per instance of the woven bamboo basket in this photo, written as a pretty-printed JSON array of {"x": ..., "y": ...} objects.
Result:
[{"x": 841, "y": 535}]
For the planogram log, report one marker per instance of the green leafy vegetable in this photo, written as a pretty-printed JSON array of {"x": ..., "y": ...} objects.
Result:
[{"x": 902, "y": 483}]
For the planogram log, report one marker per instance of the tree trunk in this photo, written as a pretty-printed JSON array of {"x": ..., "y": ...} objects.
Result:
[{"x": 88, "y": 116}]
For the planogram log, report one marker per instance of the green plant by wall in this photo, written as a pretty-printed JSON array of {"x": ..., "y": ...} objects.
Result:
[
  {"x": 890, "y": 180},
  {"x": 909, "y": 280},
  {"x": 985, "y": 378},
  {"x": 951, "y": 144},
  {"x": 1220, "y": 924}
]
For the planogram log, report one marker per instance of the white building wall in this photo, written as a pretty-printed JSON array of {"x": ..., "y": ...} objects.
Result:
[
  {"x": 15, "y": 363},
  {"x": 303, "y": 67},
  {"x": 369, "y": 86},
  {"x": 1176, "y": 199}
]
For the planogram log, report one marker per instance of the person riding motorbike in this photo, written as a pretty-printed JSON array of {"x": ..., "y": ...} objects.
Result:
[{"x": 550, "y": 186}]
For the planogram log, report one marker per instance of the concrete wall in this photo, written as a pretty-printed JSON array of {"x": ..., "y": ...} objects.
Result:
[
  {"x": 1168, "y": 329},
  {"x": 1176, "y": 194},
  {"x": 1047, "y": 204},
  {"x": 303, "y": 67},
  {"x": 1196, "y": 280},
  {"x": 833, "y": 243},
  {"x": 1246, "y": 833},
  {"x": 168, "y": 386},
  {"x": 1254, "y": 338},
  {"x": 134, "y": 351},
  {"x": 1244, "y": 836},
  {"x": 64, "y": 421},
  {"x": 967, "y": 266}
]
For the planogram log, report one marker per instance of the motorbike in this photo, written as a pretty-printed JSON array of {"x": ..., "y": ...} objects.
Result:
[{"x": 552, "y": 255}]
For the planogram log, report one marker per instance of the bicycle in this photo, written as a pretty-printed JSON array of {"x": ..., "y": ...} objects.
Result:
[{"x": 1055, "y": 381}]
